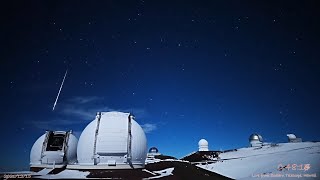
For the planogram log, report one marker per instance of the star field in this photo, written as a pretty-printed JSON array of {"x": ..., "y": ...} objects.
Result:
[{"x": 186, "y": 69}]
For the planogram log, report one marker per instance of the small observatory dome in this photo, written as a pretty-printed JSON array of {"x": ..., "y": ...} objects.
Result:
[
  {"x": 153, "y": 150},
  {"x": 293, "y": 138},
  {"x": 203, "y": 145},
  {"x": 54, "y": 148},
  {"x": 255, "y": 140},
  {"x": 113, "y": 140}
]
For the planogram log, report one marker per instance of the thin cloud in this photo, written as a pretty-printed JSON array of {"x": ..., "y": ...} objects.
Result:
[
  {"x": 55, "y": 124},
  {"x": 87, "y": 107},
  {"x": 81, "y": 110},
  {"x": 85, "y": 99},
  {"x": 88, "y": 113},
  {"x": 148, "y": 127}
]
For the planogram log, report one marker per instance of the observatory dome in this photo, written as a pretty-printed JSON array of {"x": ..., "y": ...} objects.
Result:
[
  {"x": 255, "y": 140},
  {"x": 113, "y": 140},
  {"x": 54, "y": 148},
  {"x": 255, "y": 137},
  {"x": 153, "y": 150},
  {"x": 291, "y": 136},
  {"x": 203, "y": 145}
]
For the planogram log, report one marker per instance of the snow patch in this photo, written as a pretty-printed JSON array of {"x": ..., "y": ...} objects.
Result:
[
  {"x": 67, "y": 174},
  {"x": 149, "y": 172},
  {"x": 247, "y": 163},
  {"x": 163, "y": 173}
]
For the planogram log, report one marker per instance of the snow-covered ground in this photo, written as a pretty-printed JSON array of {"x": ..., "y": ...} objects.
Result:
[
  {"x": 153, "y": 160},
  {"x": 283, "y": 160},
  {"x": 162, "y": 173},
  {"x": 269, "y": 161},
  {"x": 66, "y": 174}
]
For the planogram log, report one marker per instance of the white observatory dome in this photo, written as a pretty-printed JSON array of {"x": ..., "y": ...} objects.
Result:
[
  {"x": 113, "y": 140},
  {"x": 291, "y": 136},
  {"x": 255, "y": 140},
  {"x": 54, "y": 148},
  {"x": 203, "y": 145}
]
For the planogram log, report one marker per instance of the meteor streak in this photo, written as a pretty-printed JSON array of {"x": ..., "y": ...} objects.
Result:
[{"x": 55, "y": 103}]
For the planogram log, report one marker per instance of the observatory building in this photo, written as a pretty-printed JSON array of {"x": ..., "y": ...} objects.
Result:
[
  {"x": 293, "y": 138},
  {"x": 113, "y": 140},
  {"x": 54, "y": 149},
  {"x": 202, "y": 155},
  {"x": 255, "y": 140},
  {"x": 153, "y": 152},
  {"x": 203, "y": 145}
]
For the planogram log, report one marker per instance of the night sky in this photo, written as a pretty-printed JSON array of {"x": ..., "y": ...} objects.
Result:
[{"x": 187, "y": 70}]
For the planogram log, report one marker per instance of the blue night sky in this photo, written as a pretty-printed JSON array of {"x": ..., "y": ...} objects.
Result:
[{"x": 218, "y": 70}]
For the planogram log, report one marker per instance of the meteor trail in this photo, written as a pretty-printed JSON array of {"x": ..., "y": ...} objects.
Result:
[{"x": 55, "y": 103}]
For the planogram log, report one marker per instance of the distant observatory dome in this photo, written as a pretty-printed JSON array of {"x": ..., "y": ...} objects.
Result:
[
  {"x": 153, "y": 150},
  {"x": 254, "y": 137},
  {"x": 293, "y": 138},
  {"x": 255, "y": 140},
  {"x": 53, "y": 148},
  {"x": 203, "y": 145},
  {"x": 113, "y": 140}
]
